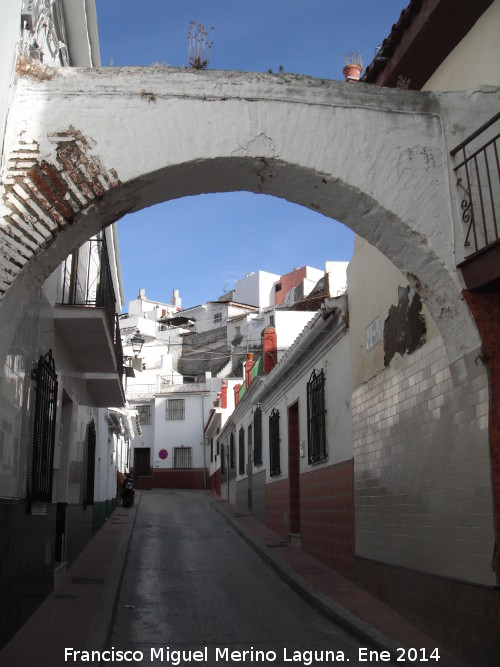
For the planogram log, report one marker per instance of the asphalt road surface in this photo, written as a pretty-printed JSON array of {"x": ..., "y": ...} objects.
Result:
[{"x": 193, "y": 593}]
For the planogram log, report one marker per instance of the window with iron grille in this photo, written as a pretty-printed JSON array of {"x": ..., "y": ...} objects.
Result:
[
  {"x": 257, "y": 436},
  {"x": 42, "y": 430},
  {"x": 217, "y": 318},
  {"x": 222, "y": 459},
  {"x": 316, "y": 430},
  {"x": 88, "y": 498},
  {"x": 175, "y": 409},
  {"x": 211, "y": 450},
  {"x": 241, "y": 452},
  {"x": 231, "y": 450},
  {"x": 274, "y": 443},
  {"x": 250, "y": 440},
  {"x": 144, "y": 414},
  {"x": 182, "y": 457}
]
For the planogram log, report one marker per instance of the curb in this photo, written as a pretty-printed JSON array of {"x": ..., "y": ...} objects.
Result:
[
  {"x": 315, "y": 598},
  {"x": 100, "y": 635}
]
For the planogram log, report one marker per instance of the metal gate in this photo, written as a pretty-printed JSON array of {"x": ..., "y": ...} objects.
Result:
[
  {"x": 42, "y": 431},
  {"x": 88, "y": 498}
]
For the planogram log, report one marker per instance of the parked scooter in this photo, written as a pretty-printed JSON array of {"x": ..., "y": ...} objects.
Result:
[{"x": 128, "y": 490}]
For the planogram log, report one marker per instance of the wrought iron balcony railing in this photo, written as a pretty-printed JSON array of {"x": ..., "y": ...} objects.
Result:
[
  {"x": 478, "y": 179},
  {"x": 87, "y": 281}
]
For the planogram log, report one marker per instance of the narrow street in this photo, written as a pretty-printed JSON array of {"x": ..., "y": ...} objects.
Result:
[{"x": 192, "y": 584}]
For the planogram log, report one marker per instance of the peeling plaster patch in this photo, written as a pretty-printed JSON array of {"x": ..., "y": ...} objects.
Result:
[
  {"x": 404, "y": 328},
  {"x": 259, "y": 145},
  {"x": 43, "y": 197}
]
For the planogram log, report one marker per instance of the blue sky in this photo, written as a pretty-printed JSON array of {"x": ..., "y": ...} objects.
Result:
[{"x": 247, "y": 232}]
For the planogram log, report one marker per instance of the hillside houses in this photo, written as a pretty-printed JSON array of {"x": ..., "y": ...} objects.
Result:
[{"x": 192, "y": 357}]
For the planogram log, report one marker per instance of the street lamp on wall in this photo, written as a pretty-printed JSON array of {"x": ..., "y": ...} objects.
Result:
[{"x": 137, "y": 342}]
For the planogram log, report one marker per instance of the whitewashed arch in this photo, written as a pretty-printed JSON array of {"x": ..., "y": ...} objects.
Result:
[{"x": 87, "y": 146}]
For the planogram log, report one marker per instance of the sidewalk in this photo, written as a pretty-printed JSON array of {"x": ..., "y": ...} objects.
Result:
[
  {"x": 79, "y": 613},
  {"x": 332, "y": 594}
]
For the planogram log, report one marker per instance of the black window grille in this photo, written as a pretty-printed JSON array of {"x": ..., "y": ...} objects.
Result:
[
  {"x": 211, "y": 450},
  {"x": 88, "y": 498},
  {"x": 257, "y": 436},
  {"x": 182, "y": 457},
  {"x": 241, "y": 452},
  {"x": 175, "y": 409},
  {"x": 250, "y": 440},
  {"x": 316, "y": 413},
  {"x": 222, "y": 459},
  {"x": 144, "y": 414},
  {"x": 274, "y": 443},
  {"x": 42, "y": 430},
  {"x": 231, "y": 450}
]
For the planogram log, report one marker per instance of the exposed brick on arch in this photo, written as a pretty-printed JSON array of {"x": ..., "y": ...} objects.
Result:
[{"x": 43, "y": 197}]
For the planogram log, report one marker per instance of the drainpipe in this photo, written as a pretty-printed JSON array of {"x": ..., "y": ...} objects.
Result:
[
  {"x": 269, "y": 349},
  {"x": 248, "y": 369},
  {"x": 227, "y": 467},
  {"x": 236, "y": 388},
  {"x": 203, "y": 439},
  {"x": 223, "y": 392}
]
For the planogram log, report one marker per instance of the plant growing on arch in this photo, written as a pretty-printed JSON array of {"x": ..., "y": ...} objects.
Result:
[{"x": 199, "y": 45}]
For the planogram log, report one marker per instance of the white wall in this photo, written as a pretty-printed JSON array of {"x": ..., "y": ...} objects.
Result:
[
  {"x": 256, "y": 289},
  {"x": 289, "y": 324},
  {"x": 10, "y": 31},
  {"x": 324, "y": 345},
  {"x": 218, "y": 421},
  {"x": 335, "y": 363},
  {"x": 475, "y": 60},
  {"x": 148, "y": 309},
  {"x": 187, "y": 432},
  {"x": 337, "y": 277},
  {"x": 147, "y": 327},
  {"x": 423, "y": 496},
  {"x": 313, "y": 273},
  {"x": 373, "y": 282},
  {"x": 81, "y": 30}
]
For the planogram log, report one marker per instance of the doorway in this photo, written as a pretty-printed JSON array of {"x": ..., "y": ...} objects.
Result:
[{"x": 142, "y": 461}]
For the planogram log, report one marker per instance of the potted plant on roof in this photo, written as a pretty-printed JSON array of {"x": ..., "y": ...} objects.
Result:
[{"x": 353, "y": 64}]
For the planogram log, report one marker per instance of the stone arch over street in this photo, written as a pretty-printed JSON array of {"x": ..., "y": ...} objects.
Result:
[{"x": 88, "y": 146}]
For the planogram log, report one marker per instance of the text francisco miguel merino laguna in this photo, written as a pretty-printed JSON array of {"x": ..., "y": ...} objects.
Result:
[{"x": 178, "y": 657}]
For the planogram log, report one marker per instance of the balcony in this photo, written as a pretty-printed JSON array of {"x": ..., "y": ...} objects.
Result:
[
  {"x": 478, "y": 182},
  {"x": 87, "y": 324}
]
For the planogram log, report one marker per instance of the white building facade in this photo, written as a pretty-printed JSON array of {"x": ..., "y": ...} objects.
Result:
[{"x": 61, "y": 448}]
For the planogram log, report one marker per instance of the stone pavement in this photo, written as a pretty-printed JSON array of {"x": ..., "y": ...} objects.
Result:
[{"x": 80, "y": 611}]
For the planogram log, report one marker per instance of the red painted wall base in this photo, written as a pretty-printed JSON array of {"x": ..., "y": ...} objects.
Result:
[{"x": 169, "y": 478}]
